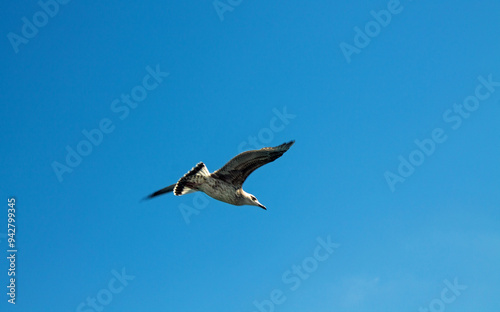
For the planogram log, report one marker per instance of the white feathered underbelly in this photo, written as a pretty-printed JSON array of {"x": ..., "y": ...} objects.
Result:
[{"x": 220, "y": 190}]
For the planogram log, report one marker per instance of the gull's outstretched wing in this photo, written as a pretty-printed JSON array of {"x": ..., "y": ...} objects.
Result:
[
  {"x": 241, "y": 166},
  {"x": 164, "y": 190}
]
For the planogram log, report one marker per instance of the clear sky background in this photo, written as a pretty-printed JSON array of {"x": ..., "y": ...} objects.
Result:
[{"x": 260, "y": 74}]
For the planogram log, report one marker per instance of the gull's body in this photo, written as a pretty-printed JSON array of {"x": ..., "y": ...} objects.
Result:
[{"x": 226, "y": 183}]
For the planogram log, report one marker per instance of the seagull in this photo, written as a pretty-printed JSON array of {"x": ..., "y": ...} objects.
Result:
[{"x": 226, "y": 183}]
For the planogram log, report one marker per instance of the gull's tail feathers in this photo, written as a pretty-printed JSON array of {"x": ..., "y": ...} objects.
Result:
[{"x": 187, "y": 184}]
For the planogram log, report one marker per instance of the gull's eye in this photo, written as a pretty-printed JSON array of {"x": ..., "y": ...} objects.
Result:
[{"x": 253, "y": 198}]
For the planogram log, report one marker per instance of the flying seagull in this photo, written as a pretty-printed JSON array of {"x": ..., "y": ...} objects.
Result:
[{"x": 226, "y": 183}]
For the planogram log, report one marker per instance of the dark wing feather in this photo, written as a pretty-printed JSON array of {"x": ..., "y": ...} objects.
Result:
[
  {"x": 167, "y": 189},
  {"x": 241, "y": 166}
]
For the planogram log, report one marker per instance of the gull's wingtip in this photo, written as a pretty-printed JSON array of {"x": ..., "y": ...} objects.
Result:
[{"x": 285, "y": 146}]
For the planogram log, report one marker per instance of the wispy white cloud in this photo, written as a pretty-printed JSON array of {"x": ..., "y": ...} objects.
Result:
[{"x": 357, "y": 289}]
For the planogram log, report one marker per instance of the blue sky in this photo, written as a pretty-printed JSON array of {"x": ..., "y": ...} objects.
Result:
[{"x": 388, "y": 201}]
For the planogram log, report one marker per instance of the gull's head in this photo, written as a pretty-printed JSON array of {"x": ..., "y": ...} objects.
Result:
[{"x": 252, "y": 200}]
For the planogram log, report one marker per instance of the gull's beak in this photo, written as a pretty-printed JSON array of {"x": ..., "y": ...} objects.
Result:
[{"x": 261, "y": 206}]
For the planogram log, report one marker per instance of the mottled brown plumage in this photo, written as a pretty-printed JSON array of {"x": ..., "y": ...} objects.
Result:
[{"x": 226, "y": 183}]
